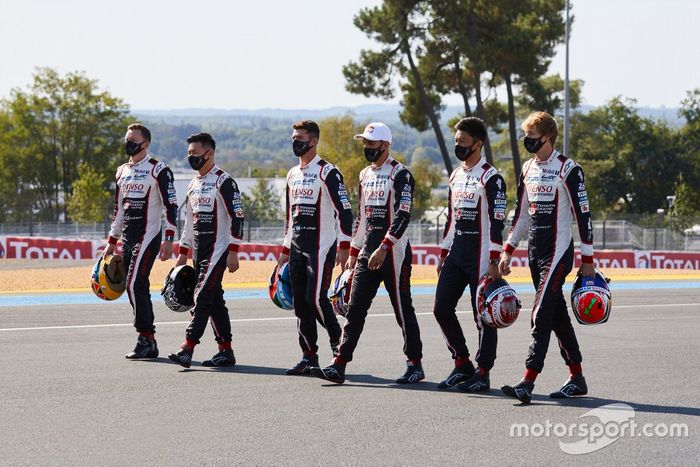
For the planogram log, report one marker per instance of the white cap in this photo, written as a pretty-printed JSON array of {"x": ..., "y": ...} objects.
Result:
[{"x": 376, "y": 131}]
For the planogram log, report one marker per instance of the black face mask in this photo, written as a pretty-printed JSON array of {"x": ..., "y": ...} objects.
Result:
[
  {"x": 533, "y": 144},
  {"x": 463, "y": 152},
  {"x": 196, "y": 162},
  {"x": 301, "y": 147},
  {"x": 132, "y": 148},
  {"x": 373, "y": 154}
]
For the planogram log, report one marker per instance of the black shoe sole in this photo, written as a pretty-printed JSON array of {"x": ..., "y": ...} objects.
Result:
[
  {"x": 318, "y": 373},
  {"x": 444, "y": 385},
  {"x": 304, "y": 372},
  {"x": 177, "y": 360},
  {"x": 407, "y": 381},
  {"x": 561, "y": 395},
  {"x": 138, "y": 357},
  {"x": 291, "y": 372},
  {"x": 465, "y": 388},
  {"x": 510, "y": 392},
  {"x": 209, "y": 363}
]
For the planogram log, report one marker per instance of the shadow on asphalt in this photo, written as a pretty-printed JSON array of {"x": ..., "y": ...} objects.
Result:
[
  {"x": 371, "y": 381},
  {"x": 590, "y": 402},
  {"x": 151, "y": 360},
  {"x": 594, "y": 402},
  {"x": 243, "y": 369}
]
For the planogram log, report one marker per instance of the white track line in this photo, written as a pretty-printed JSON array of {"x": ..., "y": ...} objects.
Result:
[{"x": 243, "y": 320}]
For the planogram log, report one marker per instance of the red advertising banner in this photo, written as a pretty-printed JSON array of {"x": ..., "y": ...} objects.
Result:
[
  {"x": 59, "y": 249},
  {"x": 47, "y": 248}
]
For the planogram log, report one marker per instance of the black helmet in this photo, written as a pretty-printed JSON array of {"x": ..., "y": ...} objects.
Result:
[{"x": 178, "y": 290}]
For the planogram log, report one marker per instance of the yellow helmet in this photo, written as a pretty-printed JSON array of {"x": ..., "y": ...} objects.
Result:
[{"x": 108, "y": 279}]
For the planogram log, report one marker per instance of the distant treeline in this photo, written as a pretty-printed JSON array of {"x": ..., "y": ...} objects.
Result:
[{"x": 262, "y": 144}]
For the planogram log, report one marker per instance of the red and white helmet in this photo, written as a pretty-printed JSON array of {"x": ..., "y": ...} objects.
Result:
[
  {"x": 340, "y": 295},
  {"x": 497, "y": 302},
  {"x": 591, "y": 299}
]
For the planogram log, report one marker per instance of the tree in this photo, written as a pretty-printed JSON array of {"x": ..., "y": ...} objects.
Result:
[
  {"x": 444, "y": 47},
  {"x": 8, "y": 181},
  {"x": 630, "y": 162},
  {"x": 427, "y": 176},
  {"x": 54, "y": 126},
  {"x": 520, "y": 36},
  {"x": 263, "y": 203},
  {"x": 543, "y": 93},
  {"x": 546, "y": 93},
  {"x": 690, "y": 107},
  {"x": 89, "y": 201},
  {"x": 685, "y": 210},
  {"x": 338, "y": 147},
  {"x": 689, "y": 137},
  {"x": 455, "y": 59},
  {"x": 399, "y": 26}
]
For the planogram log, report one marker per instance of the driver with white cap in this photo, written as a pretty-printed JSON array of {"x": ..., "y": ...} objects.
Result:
[{"x": 380, "y": 252}]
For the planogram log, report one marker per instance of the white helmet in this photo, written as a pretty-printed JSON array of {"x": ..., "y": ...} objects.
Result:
[{"x": 497, "y": 302}]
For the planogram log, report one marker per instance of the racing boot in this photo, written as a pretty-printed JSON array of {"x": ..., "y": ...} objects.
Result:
[
  {"x": 460, "y": 373},
  {"x": 573, "y": 387},
  {"x": 414, "y": 373},
  {"x": 302, "y": 368},
  {"x": 223, "y": 358},
  {"x": 146, "y": 347}
]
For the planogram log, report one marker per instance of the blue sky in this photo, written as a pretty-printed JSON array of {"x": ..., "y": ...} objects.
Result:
[{"x": 165, "y": 54}]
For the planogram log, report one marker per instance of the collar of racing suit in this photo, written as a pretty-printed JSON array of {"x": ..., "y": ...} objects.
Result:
[
  {"x": 145, "y": 158},
  {"x": 311, "y": 162},
  {"x": 479, "y": 163},
  {"x": 387, "y": 161},
  {"x": 213, "y": 168},
  {"x": 551, "y": 157}
]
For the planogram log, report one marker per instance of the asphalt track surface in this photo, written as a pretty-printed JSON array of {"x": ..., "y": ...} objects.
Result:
[{"x": 68, "y": 396}]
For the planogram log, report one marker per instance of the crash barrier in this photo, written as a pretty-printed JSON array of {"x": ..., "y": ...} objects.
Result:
[{"x": 42, "y": 248}]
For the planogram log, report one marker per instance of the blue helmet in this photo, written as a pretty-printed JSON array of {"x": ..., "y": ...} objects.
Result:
[
  {"x": 281, "y": 287},
  {"x": 340, "y": 295}
]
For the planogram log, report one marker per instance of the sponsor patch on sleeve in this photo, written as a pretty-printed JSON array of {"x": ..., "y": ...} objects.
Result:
[
  {"x": 172, "y": 197},
  {"x": 326, "y": 168}
]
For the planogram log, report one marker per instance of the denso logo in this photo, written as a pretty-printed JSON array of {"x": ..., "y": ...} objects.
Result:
[
  {"x": 464, "y": 195},
  {"x": 133, "y": 187},
  {"x": 540, "y": 189},
  {"x": 302, "y": 192},
  {"x": 375, "y": 193},
  {"x": 201, "y": 200}
]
